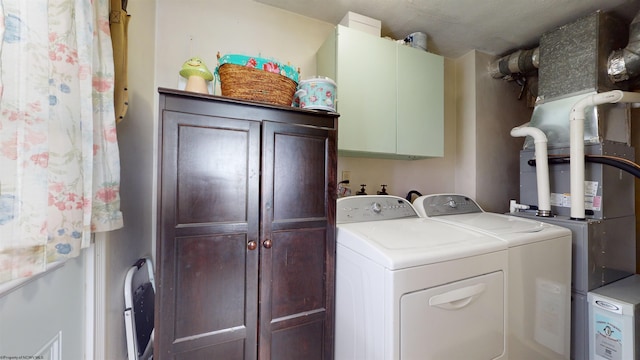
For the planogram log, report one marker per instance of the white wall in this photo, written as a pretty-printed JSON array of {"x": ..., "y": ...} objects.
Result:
[
  {"x": 635, "y": 142},
  {"x": 498, "y": 110},
  {"x": 35, "y": 313},
  {"x": 465, "y": 165},
  {"x": 487, "y": 162},
  {"x": 116, "y": 251},
  {"x": 207, "y": 27}
]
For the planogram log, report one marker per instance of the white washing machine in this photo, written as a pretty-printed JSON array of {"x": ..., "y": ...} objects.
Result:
[
  {"x": 539, "y": 281},
  {"x": 412, "y": 288}
]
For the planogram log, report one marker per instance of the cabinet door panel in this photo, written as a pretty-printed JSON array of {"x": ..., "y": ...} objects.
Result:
[
  {"x": 300, "y": 342},
  {"x": 420, "y": 103},
  {"x": 299, "y": 183},
  {"x": 207, "y": 185},
  {"x": 210, "y": 281},
  {"x": 209, "y": 206},
  {"x": 366, "y": 92},
  {"x": 297, "y": 272},
  {"x": 233, "y": 350}
]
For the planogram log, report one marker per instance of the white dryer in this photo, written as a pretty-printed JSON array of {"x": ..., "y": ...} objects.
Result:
[
  {"x": 539, "y": 282},
  {"x": 413, "y": 288}
]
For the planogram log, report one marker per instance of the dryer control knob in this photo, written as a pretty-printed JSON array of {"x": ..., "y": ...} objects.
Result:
[{"x": 376, "y": 208}]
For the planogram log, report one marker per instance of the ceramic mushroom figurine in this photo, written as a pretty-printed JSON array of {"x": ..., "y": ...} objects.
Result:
[{"x": 197, "y": 75}]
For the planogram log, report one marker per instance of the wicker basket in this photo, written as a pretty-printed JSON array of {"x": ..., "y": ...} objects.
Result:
[{"x": 248, "y": 83}]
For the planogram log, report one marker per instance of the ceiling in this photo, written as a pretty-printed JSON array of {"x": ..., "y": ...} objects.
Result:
[{"x": 455, "y": 27}]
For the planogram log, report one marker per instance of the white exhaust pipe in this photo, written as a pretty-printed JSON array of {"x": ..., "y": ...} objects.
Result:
[
  {"x": 576, "y": 138},
  {"x": 542, "y": 166}
]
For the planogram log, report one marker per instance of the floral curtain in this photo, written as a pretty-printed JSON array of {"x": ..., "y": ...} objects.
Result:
[{"x": 59, "y": 161}]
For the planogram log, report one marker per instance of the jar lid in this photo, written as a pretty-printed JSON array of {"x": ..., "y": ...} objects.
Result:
[{"x": 319, "y": 79}]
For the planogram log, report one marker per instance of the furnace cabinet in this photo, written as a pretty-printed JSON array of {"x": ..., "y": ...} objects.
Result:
[{"x": 246, "y": 230}]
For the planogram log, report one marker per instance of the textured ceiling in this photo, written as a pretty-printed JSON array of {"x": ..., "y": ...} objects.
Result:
[{"x": 454, "y": 27}]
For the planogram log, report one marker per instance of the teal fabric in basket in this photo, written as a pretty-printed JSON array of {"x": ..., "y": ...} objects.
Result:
[{"x": 258, "y": 63}]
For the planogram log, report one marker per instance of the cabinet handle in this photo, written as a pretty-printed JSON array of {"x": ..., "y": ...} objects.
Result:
[
  {"x": 267, "y": 244},
  {"x": 252, "y": 245}
]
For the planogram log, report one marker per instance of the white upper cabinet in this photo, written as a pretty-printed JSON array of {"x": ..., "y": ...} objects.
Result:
[{"x": 390, "y": 96}]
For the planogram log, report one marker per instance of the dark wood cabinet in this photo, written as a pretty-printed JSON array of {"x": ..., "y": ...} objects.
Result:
[{"x": 246, "y": 230}]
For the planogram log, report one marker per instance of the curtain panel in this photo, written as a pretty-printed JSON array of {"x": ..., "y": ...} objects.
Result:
[{"x": 59, "y": 160}]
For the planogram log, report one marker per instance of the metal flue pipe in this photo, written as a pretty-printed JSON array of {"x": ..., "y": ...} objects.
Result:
[
  {"x": 624, "y": 64},
  {"x": 519, "y": 62}
]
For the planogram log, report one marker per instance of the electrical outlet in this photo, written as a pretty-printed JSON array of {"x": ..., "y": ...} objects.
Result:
[{"x": 346, "y": 175}]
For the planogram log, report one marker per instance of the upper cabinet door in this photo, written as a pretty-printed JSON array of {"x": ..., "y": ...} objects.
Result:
[
  {"x": 420, "y": 122},
  {"x": 366, "y": 79}
]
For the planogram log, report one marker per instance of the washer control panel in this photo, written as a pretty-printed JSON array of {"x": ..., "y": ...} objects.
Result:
[
  {"x": 372, "y": 208},
  {"x": 448, "y": 204}
]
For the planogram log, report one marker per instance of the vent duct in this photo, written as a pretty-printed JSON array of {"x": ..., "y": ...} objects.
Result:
[
  {"x": 573, "y": 57},
  {"x": 624, "y": 64},
  {"x": 519, "y": 62}
]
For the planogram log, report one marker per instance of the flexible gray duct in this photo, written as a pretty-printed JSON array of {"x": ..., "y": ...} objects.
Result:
[
  {"x": 625, "y": 63},
  {"x": 519, "y": 62}
]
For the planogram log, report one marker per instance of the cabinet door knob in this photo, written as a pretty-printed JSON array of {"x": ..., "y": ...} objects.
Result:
[
  {"x": 267, "y": 244},
  {"x": 252, "y": 245}
]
